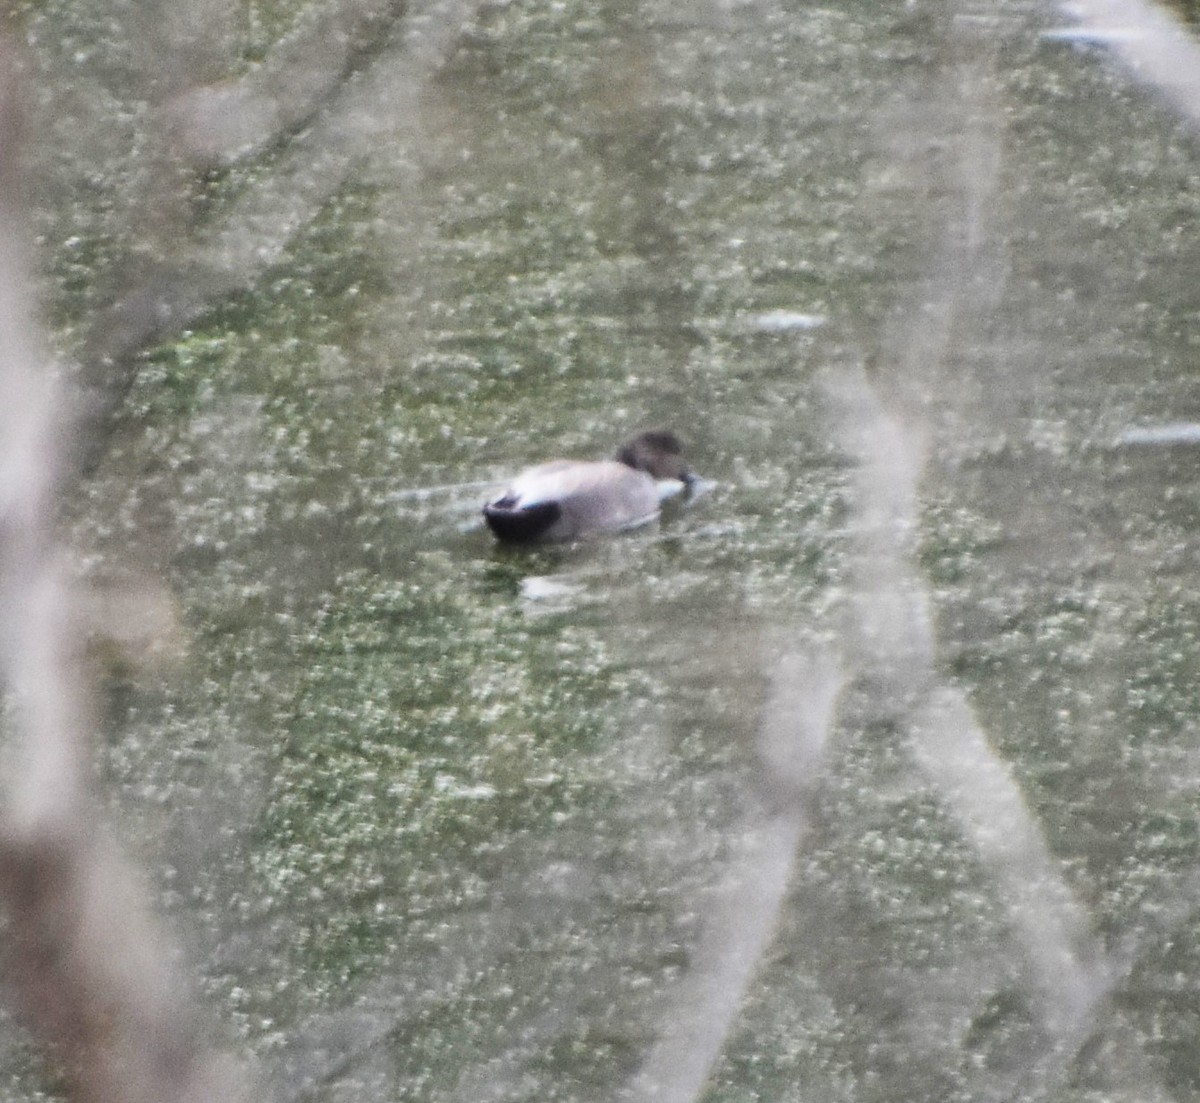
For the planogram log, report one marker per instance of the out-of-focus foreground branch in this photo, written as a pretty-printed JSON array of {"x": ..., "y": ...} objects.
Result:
[
  {"x": 345, "y": 82},
  {"x": 86, "y": 968}
]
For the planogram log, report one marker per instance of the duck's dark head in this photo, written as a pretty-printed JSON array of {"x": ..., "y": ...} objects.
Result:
[{"x": 658, "y": 453}]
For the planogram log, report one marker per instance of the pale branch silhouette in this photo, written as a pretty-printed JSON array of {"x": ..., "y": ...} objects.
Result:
[
  {"x": 90, "y": 973},
  {"x": 1150, "y": 40},
  {"x": 347, "y": 79}
]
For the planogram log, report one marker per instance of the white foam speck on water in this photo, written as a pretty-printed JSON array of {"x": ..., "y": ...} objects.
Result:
[
  {"x": 450, "y": 786},
  {"x": 785, "y": 321},
  {"x": 1183, "y": 432},
  {"x": 548, "y": 588}
]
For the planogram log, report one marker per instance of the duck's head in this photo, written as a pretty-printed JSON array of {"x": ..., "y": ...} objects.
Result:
[{"x": 658, "y": 453}]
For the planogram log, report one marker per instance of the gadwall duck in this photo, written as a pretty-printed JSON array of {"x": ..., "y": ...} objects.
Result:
[{"x": 567, "y": 499}]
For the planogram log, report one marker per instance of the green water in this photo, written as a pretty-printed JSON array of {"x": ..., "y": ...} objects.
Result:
[{"x": 401, "y": 809}]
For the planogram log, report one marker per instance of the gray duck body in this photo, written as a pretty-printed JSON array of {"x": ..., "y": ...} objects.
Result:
[{"x": 570, "y": 499}]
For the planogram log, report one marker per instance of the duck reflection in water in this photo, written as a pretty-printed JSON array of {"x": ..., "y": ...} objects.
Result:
[{"x": 568, "y": 499}]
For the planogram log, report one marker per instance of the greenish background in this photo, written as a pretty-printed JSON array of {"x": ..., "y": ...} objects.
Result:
[{"x": 427, "y": 831}]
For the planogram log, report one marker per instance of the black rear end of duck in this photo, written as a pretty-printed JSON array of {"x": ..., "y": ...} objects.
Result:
[{"x": 520, "y": 525}]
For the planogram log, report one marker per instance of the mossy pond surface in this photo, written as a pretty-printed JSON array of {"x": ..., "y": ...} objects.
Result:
[{"x": 439, "y": 820}]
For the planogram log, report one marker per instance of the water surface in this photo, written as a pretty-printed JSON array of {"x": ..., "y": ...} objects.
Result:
[{"x": 880, "y": 754}]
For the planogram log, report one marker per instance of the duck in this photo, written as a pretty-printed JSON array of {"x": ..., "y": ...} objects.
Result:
[{"x": 570, "y": 499}]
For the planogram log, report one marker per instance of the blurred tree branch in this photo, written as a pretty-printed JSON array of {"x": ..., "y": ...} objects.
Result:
[
  {"x": 89, "y": 973},
  {"x": 221, "y": 124},
  {"x": 87, "y": 968},
  {"x": 348, "y": 79}
]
